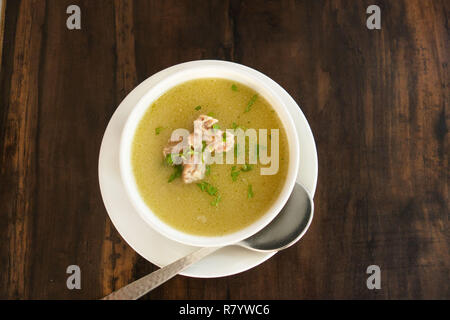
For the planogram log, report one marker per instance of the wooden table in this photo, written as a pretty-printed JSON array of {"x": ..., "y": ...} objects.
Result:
[{"x": 377, "y": 102}]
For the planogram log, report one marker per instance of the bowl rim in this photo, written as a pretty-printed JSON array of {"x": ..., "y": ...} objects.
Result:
[{"x": 208, "y": 69}]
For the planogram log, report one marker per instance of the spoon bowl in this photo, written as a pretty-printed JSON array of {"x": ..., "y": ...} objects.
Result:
[{"x": 287, "y": 227}]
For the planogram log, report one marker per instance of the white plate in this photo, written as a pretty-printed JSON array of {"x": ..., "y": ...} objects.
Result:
[{"x": 141, "y": 237}]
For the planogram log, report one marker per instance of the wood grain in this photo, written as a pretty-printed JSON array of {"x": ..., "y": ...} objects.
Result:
[
  {"x": 377, "y": 102},
  {"x": 116, "y": 252},
  {"x": 2, "y": 27}
]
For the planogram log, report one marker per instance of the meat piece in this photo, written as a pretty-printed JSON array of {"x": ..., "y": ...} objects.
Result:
[
  {"x": 224, "y": 144},
  {"x": 172, "y": 147},
  {"x": 214, "y": 138},
  {"x": 178, "y": 147},
  {"x": 215, "y": 141},
  {"x": 206, "y": 122},
  {"x": 193, "y": 171},
  {"x": 193, "y": 166}
]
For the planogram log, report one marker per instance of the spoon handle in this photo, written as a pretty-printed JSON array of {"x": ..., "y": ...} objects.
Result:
[{"x": 138, "y": 288}]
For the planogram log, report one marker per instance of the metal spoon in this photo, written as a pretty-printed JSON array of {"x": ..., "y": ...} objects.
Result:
[{"x": 283, "y": 231}]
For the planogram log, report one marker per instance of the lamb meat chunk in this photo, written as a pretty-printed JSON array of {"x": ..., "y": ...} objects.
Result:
[
  {"x": 193, "y": 166},
  {"x": 193, "y": 171}
]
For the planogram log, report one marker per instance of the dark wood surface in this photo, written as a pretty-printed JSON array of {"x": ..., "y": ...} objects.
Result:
[{"x": 377, "y": 102}]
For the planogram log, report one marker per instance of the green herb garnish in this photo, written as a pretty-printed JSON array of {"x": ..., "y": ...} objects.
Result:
[
  {"x": 234, "y": 173},
  {"x": 203, "y": 145},
  {"x": 177, "y": 173},
  {"x": 224, "y": 136},
  {"x": 216, "y": 201},
  {"x": 210, "y": 114},
  {"x": 246, "y": 168},
  {"x": 198, "y": 108},
  {"x": 236, "y": 126},
  {"x": 202, "y": 186},
  {"x": 216, "y": 126},
  {"x": 158, "y": 130},
  {"x": 210, "y": 189},
  {"x": 250, "y": 192},
  {"x": 169, "y": 159},
  {"x": 190, "y": 153},
  {"x": 207, "y": 170},
  {"x": 234, "y": 87},
  {"x": 251, "y": 102}
]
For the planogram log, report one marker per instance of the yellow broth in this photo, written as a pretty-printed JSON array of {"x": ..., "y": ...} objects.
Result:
[{"x": 185, "y": 206}]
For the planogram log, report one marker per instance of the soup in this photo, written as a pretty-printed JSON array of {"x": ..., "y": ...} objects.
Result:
[{"x": 227, "y": 197}]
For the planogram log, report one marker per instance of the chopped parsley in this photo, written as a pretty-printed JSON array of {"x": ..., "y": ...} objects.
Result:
[
  {"x": 207, "y": 170},
  {"x": 198, "y": 108},
  {"x": 216, "y": 201},
  {"x": 202, "y": 185},
  {"x": 177, "y": 173},
  {"x": 234, "y": 173},
  {"x": 251, "y": 102},
  {"x": 158, "y": 130},
  {"x": 250, "y": 192},
  {"x": 246, "y": 168},
  {"x": 212, "y": 191},
  {"x": 236, "y": 126},
  {"x": 190, "y": 152},
  {"x": 216, "y": 126},
  {"x": 234, "y": 87},
  {"x": 169, "y": 159}
]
